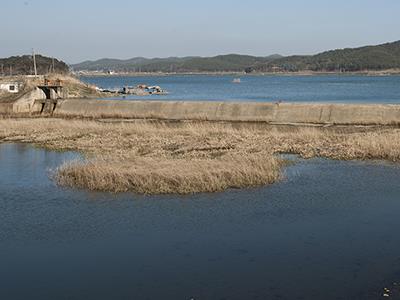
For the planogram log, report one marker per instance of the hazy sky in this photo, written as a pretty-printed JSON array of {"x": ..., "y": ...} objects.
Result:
[{"x": 79, "y": 30}]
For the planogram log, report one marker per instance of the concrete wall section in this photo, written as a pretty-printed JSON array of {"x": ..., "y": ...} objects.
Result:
[
  {"x": 234, "y": 111},
  {"x": 26, "y": 103}
]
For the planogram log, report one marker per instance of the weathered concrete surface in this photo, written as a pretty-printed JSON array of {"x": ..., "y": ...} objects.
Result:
[
  {"x": 362, "y": 114},
  {"x": 26, "y": 103}
]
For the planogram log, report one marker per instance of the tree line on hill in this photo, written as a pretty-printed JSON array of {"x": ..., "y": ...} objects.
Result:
[
  {"x": 220, "y": 63},
  {"x": 23, "y": 65},
  {"x": 380, "y": 57}
]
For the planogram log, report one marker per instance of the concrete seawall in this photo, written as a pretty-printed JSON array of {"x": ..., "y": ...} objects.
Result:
[{"x": 346, "y": 114}]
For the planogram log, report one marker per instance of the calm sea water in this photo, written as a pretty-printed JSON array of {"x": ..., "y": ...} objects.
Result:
[
  {"x": 327, "y": 88},
  {"x": 328, "y": 231}
]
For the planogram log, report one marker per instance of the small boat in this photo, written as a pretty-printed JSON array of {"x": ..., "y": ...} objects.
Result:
[{"x": 236, "y": 80}]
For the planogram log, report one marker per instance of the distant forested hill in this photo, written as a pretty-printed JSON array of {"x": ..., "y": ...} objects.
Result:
[
  {"x": 380, "y": 57},
  {"x": 23, "y": 65},
  {"x": 221, "y": 63}
]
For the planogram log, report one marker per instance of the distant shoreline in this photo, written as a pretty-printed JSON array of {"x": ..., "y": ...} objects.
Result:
[{"x": 388, "y": 72}]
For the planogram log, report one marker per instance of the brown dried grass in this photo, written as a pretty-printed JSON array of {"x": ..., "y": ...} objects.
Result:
[
  {"x": 187, "y": 157},
  {"x": 177, "y": 176}
]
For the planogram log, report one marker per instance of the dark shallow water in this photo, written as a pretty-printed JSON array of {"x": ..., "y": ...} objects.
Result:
[
  {"x": 329, "y": 231},
  {"x": 326, "y": 88}
]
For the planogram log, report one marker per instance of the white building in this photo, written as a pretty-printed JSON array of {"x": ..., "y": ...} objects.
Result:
[{"x": 11, "y": 87}]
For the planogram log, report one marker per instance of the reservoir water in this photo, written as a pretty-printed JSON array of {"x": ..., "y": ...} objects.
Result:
[
  {"x": 326, "y": 88},
  {"x": 327, "y": 231}
]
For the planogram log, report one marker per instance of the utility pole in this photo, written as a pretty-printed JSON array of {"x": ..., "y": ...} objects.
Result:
[
  {"x": 2, "y": 70},
  {"x": 34, "y": 62},
  {"x": 53, "y": 63}
]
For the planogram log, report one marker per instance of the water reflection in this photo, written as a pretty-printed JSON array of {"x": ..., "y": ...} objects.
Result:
[{"x": 328, "y": 231}]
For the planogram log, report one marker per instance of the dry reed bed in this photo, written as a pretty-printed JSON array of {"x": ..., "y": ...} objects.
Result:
[
  {"x": 188, "y": 157},
  {"x": 158, "y": 176}
]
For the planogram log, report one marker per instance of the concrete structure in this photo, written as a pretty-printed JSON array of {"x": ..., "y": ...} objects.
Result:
[
  {"x": 11, "y": 87},
  {"x": 52, "y": 89},
  {"x": 43, "y": 98},
  {"x": 27, "y": 102},
  {"x": 343, "y": 114}
]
